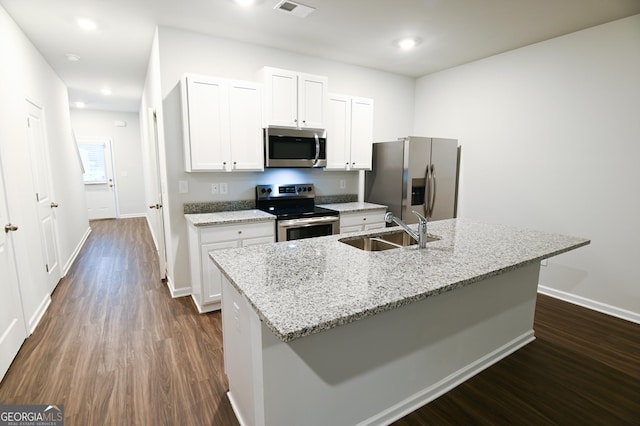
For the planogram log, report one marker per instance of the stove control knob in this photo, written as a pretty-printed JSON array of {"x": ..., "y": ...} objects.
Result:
[
  {"x": 309, "y": 189},
  {"x": 263, "y": 190},
  {"x": 269, "y": 190}
]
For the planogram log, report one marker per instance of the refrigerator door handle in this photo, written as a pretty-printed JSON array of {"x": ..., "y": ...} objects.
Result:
[
  {"x": 427, "y": 184},
  {"x": 433, "y": 192}
]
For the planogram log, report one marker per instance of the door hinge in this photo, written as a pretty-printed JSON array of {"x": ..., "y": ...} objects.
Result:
[{"x": 46, "y": 265}]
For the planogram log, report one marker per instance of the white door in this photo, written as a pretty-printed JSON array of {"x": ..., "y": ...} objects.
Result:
[
  {"x": 339, "y": 130},
  {"x": 99, "y": 185},
  {"x": 12, "y": 325},
  {"x": 157, "y": 218},
  {"x": 44, "y": 195}
]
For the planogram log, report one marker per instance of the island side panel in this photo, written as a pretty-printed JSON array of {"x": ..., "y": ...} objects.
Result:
[
  {"x": 242, "y": 345},
  {"x": 378, "y": 369}
]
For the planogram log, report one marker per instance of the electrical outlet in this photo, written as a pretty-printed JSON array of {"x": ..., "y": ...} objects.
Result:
[
  {"x": 544, "y": 262},
  {"x": 215, "y": 188},
  {"x": 224, "y": 188},
  {"x": 343, "y": 184},
  {"x": 183, "y": 186}
]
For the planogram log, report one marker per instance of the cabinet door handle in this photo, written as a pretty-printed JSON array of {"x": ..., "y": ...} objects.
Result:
[
  {"x": 10, "y": 228},
  {"x": 54, "y": 205}
]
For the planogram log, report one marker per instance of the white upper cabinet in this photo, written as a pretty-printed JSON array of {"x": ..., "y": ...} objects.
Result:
[
  {"x": 222, "y": 122},
  {"x": 294, "y": 100},
  {"x": 349, "y": 133}
]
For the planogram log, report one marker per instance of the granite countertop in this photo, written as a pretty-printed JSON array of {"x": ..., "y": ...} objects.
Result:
[
  {"x": 221, "y": 218},
  {"x": 340, "y": 284},
  {"x": 357, "y": 206}
]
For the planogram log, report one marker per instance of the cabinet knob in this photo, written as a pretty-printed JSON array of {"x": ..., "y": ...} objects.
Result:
[
  {"x": 10, "y": 228},
  {"x": 239, "y": 232},
  {"x": 54, "y": 205}
]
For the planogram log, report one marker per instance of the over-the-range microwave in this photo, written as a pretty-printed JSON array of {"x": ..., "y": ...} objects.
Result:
[{"x": 295, "y": 148}]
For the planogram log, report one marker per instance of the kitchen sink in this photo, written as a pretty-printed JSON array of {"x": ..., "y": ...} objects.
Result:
[{"x": 387, "y": 241}]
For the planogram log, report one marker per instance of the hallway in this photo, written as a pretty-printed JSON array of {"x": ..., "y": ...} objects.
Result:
[{"x": 115, "y": 348}]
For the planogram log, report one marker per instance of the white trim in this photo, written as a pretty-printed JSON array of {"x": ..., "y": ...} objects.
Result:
[
  {"x": 131, "y": 215},
  {"x": 438, "y": 389},
  {"x": 177, "y": 292},
  {"x": 38, "y": 314},
  {"x": 76, "y": 252},
  {"x": 591, "y": 304},
  {"x": 236, "y": 411}
]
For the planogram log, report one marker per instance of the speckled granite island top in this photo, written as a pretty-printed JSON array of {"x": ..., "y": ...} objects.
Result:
[
  {"x": 302, "y": 287},
  {"x": 357, "y": 206},
  {"x": 220, "y": 218}
]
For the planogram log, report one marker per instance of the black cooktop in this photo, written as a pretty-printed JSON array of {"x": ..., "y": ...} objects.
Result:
[{"x": 293, "y": 201}]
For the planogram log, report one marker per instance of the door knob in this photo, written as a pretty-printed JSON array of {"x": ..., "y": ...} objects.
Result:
[
  {"x": 10, "y": 227},
  {"x": 54, "y": 205}
]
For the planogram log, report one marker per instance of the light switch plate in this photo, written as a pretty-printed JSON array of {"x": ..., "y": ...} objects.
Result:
[
  {"x": 215, "y": 188},
  {"x": 224, "y": 188},
  {"x": 183, "y": 186}
]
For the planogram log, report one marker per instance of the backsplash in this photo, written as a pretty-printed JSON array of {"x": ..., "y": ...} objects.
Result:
[{"x": 225, "y": 206}]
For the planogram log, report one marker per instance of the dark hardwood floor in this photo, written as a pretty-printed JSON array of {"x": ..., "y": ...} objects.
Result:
[{"x": 114, "y": 348}]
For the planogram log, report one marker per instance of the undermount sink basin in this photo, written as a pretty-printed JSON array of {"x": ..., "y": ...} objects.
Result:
[{"x": 387, "y": 241}]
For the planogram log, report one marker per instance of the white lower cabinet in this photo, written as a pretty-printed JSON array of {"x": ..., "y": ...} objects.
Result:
[
  {"x": 362, "y": 220},
  {"x": 206, "y": 278}
]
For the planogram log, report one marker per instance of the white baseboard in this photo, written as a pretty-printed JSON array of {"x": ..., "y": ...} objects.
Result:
[
  {"x": 177, "y": 292},
  {"x": 438, "y": 389},
  {"x": 37, "y": 315},
  {"x": 131, "y": 215},
  {"x": 76, "y": 252},
  {"x": 591, "y": 304}
]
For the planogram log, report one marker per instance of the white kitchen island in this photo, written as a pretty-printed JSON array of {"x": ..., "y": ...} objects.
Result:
[{"x": 318, "y": 332}]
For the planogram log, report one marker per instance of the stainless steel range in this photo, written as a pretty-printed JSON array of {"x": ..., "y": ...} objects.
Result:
[{"x": 297, "y": 216}]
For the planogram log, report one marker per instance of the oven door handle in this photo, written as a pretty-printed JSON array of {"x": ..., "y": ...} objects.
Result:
[{"x": 291, "y": 223}]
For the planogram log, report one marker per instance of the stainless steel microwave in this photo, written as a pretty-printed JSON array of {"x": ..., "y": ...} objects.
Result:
[{"x": 295, "y": 148}]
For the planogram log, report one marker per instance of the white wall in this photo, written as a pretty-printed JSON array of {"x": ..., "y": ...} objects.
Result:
[
  {"x": 551, "y": 140},
  {"x": 25, "y": 74},
  {"x": 183, "y": 52},
  {"x": 127, "y": 153}
]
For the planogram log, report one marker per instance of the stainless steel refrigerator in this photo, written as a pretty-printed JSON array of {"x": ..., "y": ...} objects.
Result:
[{"x": 415, "y": 173}]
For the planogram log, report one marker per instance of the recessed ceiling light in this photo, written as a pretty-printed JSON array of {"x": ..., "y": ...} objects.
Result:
[
  {"x": 408, "y": 43},
  {"x": 80, "y": 104},
  {"x": 72, "y": 57},
  {"x": 106, "y": 91},
  {"x": 245, "y": 3},
  {"x": 86, "y": 24}
]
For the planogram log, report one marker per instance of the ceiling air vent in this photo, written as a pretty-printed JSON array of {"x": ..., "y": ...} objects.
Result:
[{"x": 297, "y": 9}]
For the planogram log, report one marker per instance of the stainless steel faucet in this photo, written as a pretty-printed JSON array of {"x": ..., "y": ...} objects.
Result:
[{"x": 420, "y": 236}]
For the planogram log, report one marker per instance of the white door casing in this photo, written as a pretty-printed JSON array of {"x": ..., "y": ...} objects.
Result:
[
  {"x": 100, "y": 192},
  {"x": 13, "y": 329},
  {"x": 45, "y": 201}
]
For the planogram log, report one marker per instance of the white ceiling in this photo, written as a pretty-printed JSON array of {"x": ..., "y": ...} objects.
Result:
[{"x": 359, "y": 32}]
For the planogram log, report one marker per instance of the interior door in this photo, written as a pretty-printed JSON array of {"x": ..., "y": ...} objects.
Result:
[
  {"x": 157, "y": 217},
  {"x": 99, "y": 185},
  {"x": 13, "y": 330},
  {"x": 46, "y": 204}
]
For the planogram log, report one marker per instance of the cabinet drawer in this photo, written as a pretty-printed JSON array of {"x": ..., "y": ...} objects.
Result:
[
  {"x": 243, "y": 231},
  {"x": 361, "y": 218}
]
